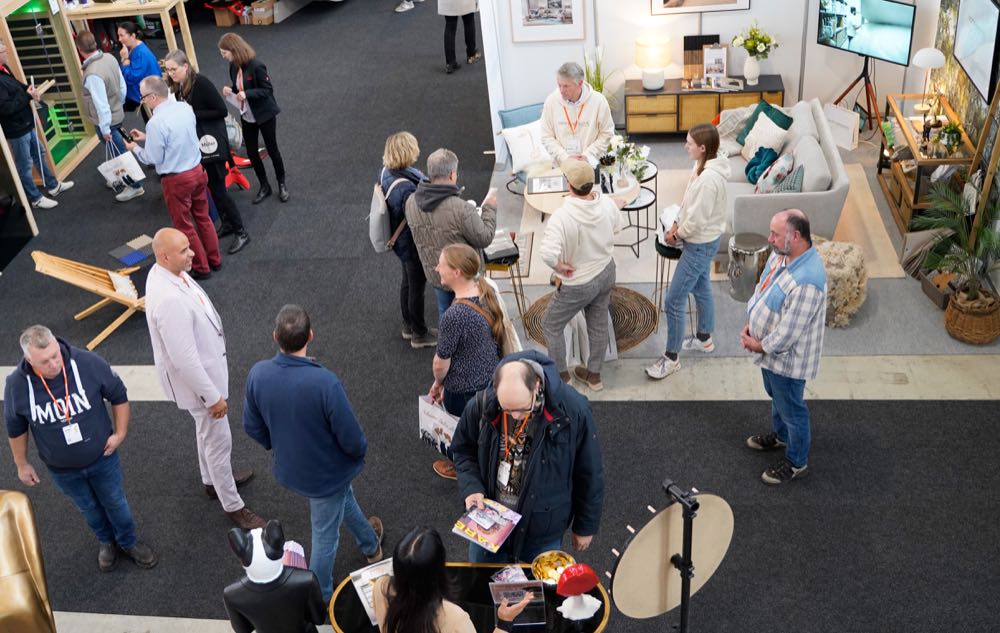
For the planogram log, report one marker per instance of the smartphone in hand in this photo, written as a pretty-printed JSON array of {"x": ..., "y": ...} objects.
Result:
[{"x": 125, "y": 135}]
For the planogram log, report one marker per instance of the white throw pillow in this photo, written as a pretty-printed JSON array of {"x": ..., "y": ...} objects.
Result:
[
  {"x": 765, "y": 133},
  {"x": 525, "y": 145}
]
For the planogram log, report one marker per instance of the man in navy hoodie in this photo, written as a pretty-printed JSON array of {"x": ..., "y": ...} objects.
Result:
[
  {"x": 299, "y": 409},
  {"x": 58, "y": 391}
]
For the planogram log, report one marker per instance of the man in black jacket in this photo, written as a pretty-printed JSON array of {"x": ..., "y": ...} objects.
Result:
[
  {"x": 18, "y": 121},
  {"x": 530, "y": 442}
]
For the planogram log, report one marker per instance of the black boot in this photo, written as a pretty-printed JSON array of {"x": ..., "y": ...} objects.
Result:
[
  {"x": 265, "y": 191},
  {"x": 242, "y": 239},
  {"x": 283, "y": 192}
]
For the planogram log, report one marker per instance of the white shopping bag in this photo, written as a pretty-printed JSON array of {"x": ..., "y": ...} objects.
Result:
[
  {"x": 437, "y": 426},
  {"x": 578, "y": 342},
  {"x": 119, "y": 169}
]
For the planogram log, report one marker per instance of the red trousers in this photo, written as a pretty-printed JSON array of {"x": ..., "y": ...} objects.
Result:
[{"x": 186, "y": 195}]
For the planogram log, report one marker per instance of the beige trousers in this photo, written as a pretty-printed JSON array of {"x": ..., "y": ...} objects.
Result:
[{"x": 215, "y": 447}]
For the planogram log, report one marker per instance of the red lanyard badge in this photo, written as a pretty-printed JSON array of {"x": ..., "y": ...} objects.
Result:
[{"x": 55, "y": 401}]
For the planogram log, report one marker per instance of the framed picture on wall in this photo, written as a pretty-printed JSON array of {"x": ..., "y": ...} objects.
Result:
[
  {"x": 667, "y": 7},
  {"x": 546, "y": 20}
]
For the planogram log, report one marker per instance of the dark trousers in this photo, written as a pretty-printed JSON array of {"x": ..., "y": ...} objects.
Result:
[
  {"x": 224, "y": 203},
  {"x": 411, "y": 295},
  {"x": 132, "y": 106},
  {"x": 451, "y": 29},
  {"x": 268, "y": 129}
]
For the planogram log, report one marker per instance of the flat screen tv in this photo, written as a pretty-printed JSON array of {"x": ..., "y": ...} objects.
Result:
[
  {"x": 976, "y": 43},
  {"x": 881, "y": 29}
]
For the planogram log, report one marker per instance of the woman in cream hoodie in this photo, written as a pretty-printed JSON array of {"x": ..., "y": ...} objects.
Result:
[{"x": 698, "y": 229}]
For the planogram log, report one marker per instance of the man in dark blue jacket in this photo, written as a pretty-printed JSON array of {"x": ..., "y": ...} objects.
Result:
[
  {"x": 58, "y": 392},
  {"x": 298, "y": 408},
  {"x": 529, "y": 441}
]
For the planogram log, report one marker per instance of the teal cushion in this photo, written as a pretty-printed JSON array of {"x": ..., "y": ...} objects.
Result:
[
  {"x": 780, "y": 119},
  {"x": 792, "y": 183},
  {"x": 759, "y": 164}
]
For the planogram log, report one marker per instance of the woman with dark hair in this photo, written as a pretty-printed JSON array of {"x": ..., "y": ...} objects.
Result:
[
  {"x": 138, "y": 62},
  {"x": 252, "y": 88},
  {"x": 414, "y": 599},
  {"x": 210, "y": 117},
  {"x": 697, "y": 231}
]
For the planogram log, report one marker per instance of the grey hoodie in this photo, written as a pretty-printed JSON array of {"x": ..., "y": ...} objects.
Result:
[{"x": 581, "y": 233}]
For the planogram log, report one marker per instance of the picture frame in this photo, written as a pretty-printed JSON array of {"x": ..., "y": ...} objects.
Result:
[
  {"x": 714, "y": 61},
  {"x": 670, "y": 7},
  {"x": 546, "y": 20}
]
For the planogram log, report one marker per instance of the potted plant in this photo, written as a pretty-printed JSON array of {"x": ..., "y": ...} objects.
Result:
[
  {"x": 595, "y": 75},
  {"x": 973, "y": 314},
  {"x": 950, "y": 136}
]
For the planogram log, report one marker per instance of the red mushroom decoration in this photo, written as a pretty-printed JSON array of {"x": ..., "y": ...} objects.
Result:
[{"x": 576, "y": 580}]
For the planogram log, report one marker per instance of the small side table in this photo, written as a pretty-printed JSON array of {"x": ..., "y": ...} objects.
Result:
[{"x": 643, "y": 202}]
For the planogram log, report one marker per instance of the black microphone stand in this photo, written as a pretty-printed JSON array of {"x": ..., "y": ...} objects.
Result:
[{"x": 683, "y": 561}]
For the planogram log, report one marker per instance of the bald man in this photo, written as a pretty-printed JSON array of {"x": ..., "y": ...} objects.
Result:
[
  {"x": 529, "y": 441},
  {"x": 189, "y": 349},
  {"x": 784, "y": 331}
]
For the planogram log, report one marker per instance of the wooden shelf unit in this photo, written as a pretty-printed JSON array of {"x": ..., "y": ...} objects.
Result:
[{"x": 672, "y": 109}]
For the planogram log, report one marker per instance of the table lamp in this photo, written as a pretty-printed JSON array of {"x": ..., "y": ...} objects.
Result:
[
  {"x": 928, "y": 59},
  {"x": 651, "y": 55}
]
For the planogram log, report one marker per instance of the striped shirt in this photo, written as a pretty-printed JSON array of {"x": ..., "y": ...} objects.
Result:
[{"x": 787, "y": 314}]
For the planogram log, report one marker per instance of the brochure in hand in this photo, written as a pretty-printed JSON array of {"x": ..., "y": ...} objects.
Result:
[
  {"x": 534, "y": 613},
  {"x": 364, "y": 583},
  {"x": 489, "y": 527}
]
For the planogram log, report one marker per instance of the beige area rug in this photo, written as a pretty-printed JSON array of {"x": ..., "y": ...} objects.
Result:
[{"x": 860, "y": 223}]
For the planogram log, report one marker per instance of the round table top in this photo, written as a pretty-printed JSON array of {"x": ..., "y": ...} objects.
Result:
[
  {"x": 645, "y": 198},
  {"x": 547, "y": 203},
  {"x": 651, "y": 170}
]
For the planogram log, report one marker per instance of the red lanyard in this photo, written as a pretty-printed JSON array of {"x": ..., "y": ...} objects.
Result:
[
  {"x": 506, "y": 444},
  {"x": 55, "y": 402},
  {"x": 579, "y": 113},
  {"x": 767, "y": 280}
]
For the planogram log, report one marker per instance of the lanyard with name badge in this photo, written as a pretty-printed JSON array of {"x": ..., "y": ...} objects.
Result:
[
  {"x": 574, "y": 146},
  {"x": 503, "y": 472},
  {"x": 71, "y": 430}
]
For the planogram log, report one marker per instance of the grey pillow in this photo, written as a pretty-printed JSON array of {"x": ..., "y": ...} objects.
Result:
[
  {"x": 809, "y": 155},
  {"x": 803, "y": 123}
]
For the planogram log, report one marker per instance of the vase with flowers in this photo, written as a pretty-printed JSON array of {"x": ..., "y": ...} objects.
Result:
[
  {"x": 629, "y": 157},
  {"x": 758, "y": 46}
]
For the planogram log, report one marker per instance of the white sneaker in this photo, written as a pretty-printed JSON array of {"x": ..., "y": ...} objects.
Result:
[
  {"x": 404, "y": 6},
  {"x": 65, "y": 185},
  {"x": 44, "y": 203},
  {"x": 697, "y": 345},
  {"x": 663, "y": 367},
  {"x": 129, "y": 194}
]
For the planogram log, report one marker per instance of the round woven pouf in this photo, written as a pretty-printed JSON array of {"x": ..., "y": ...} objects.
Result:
[
  {"x": 633, "y": 317},
  {"x": 846, "y": 280}
]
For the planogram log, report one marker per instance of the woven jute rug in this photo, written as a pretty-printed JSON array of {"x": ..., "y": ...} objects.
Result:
[{"x": 633, "y": 317}]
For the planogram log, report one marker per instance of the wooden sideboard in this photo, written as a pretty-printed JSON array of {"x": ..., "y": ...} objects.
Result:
[{"x": 672, "y": 109}]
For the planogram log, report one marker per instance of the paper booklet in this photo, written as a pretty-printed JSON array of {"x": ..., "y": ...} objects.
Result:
[
  {"x": 364, "y": 583},
  {"x": 489, "y": 527},
  {"x": 547, "y": 184},
  {"x": 534, "y": 613}
]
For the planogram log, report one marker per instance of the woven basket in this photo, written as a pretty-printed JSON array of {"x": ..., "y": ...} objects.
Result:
[{"x": 976, "y": 322}]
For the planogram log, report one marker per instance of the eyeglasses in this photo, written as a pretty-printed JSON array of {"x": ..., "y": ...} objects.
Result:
[
  {"x": 142, "y": 97},
  {"x": 527, "y": 411},
  {"x": 171, "y": 70}
]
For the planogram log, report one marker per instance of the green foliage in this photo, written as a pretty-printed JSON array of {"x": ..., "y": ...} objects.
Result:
[{"x": 755, "y": 42}]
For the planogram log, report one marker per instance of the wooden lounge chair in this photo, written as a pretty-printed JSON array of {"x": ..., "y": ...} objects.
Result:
[{"x": 114, "y": 286}]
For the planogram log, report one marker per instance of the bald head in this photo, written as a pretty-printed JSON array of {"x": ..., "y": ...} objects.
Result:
[
  {"x": 790, "y": 234},
  {"x": 172, "y": 250},
  {"x": 516, "y": 383}
]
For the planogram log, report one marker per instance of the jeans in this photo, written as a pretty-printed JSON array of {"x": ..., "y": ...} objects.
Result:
[
  {"x": 119, "y": 143},
  {"x": 411, "y": 295},
  {"x": 26, "y": 153},
  {"x": 269, "y": 130},
  {"x": 479, "y": 555},
  {"x": 98, "y": 493},
  {"x": 326, "y": 515},
  {"x": 444, "y": 299},
  {"x": 692, "y": 276},
  {"x": 451, "y": 29},
  {"x": 789, "y": 415}
]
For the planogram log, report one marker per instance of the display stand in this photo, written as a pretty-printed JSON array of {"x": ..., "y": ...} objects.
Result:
[{"x": 870, "y": 95}]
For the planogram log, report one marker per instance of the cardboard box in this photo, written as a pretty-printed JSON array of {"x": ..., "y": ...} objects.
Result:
[
  {"x": 937, "y": 286},
  {"x": 262, "y": 12},
  {"x": 224, "y": 18}
]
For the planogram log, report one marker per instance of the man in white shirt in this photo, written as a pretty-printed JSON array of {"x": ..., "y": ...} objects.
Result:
[{"x": 576, "y": 119}]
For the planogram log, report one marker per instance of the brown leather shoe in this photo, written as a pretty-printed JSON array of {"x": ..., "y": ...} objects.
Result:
[
  {"x": 444, "y": 468},
  {"x": 107, "y": 557},
  {"x": 246, "y": 518},
  {"x": 142, "y": 555},
  {"x": 588, "y": 378},
  {"x": 376, "y": 524},
  {"x": 241, "y": 478}
]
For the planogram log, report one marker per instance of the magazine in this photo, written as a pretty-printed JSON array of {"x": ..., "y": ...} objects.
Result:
[
  {"x": 514, "y": 592},
  {"x": 489, "y": 527},
  {"x": 547, "y": 184},
  {"x": 364, "y": 583}
]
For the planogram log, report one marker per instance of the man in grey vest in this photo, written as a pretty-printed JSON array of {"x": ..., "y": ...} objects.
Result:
[{"x": 103, "y": 98}]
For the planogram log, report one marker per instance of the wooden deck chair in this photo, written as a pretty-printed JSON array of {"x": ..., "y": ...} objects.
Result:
[{"x": 114, "y": 286}]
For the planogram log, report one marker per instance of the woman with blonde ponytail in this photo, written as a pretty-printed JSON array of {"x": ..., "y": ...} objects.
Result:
[{"x": 470, "y": 335}]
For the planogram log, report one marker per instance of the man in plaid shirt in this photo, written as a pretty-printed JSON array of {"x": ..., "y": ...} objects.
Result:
[{"x": 784, "y": 331}]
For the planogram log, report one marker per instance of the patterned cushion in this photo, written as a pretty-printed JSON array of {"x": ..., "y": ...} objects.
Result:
[
  {"x": 780, "y": 119},
  {"x": 774, "y": 174},
  {"x": 759, "y": 163},
  {"x": 791, "y": 183},
  {"x": 765, "y": 133}
]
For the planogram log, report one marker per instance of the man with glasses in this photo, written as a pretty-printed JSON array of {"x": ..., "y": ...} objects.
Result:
[
  {"x": 171, "y": 145},
  {"x": 529, "y": 442}
]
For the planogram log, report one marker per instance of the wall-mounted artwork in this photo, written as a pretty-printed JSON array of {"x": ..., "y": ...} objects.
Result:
[
  {"x": 667, "y": 7},
  {"x": 546, "y": 20}
]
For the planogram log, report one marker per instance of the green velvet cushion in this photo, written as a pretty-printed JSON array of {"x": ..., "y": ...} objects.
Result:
[{"x": 780, "y": 119}]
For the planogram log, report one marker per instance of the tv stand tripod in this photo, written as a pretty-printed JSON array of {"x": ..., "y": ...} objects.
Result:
[{"x": 870, "y": 98}]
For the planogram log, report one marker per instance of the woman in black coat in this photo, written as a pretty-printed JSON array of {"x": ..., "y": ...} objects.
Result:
[
  {"x": 252, "y": 87},
  {"x": 210, "y": 116}
]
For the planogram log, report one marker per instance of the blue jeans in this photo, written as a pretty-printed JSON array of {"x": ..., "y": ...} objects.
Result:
[
  {"x": 98, "y": 493},
  {"x": 789, "y": 415},
  {"x": 479, "y": 555},
  {"x": 692, "y": 276},
  {"x": 25, "y": 150},
  {"x": 119, "y": 143},
  {"x": 444, "y": 299},
  {"x": 326, "y": 514}
]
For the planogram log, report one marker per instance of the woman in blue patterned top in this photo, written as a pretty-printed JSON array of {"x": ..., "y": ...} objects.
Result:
[{"x": 470, "y": 336}]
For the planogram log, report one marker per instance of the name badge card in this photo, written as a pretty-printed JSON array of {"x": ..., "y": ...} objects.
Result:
[
  {"x": 503, "y": 474},
  {"x": 573, "y": 146},
  {"x": 72, "y": 433}
]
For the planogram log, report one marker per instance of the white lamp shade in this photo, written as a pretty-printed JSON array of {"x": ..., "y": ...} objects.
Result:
[
  {"x": 652, "y": 53},
  {"x": 928, "y": 58}
]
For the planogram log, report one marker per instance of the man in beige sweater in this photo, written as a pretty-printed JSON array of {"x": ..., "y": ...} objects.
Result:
[{"x": 576, "y": 119}]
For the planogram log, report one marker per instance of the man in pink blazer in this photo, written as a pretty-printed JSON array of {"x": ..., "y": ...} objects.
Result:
[{"x": 189, "y": 349}]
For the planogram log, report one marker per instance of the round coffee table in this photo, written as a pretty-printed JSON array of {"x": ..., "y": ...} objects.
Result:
[{"x": 547, "y": 203}]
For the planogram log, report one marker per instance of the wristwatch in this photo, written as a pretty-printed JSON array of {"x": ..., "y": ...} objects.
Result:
[{"x": 505, "y": 625}]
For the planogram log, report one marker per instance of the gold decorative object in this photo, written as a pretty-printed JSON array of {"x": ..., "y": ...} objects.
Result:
[{"x": 24, "y": 597}]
